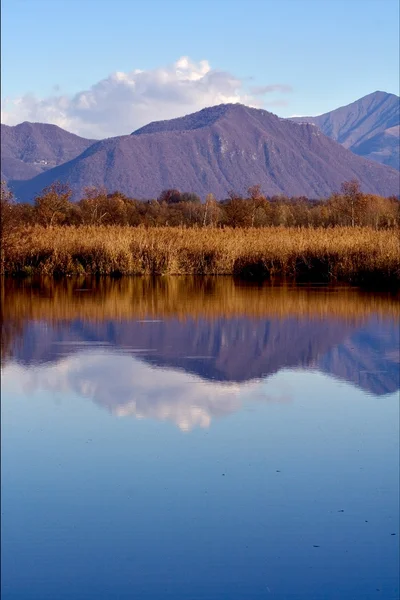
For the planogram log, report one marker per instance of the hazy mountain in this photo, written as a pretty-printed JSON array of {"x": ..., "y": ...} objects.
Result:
[
  {"x": 216, "y": 150},
  {"x": 28, "y": 149},
  {"x": 368, "y": 127}
]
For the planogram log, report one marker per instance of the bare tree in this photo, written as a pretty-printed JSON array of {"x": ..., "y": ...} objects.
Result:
[
  {"x": 352, "y": 195},
  {"x": 256, "y": 199},
  {"x": 53, "y": 204},
  {"x": 93, "y": 205}
]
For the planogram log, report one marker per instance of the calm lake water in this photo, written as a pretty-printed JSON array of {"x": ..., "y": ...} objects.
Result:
[{"x": 190, "y": 438}]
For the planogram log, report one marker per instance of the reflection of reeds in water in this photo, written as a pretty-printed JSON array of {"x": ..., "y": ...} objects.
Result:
[
  {"x": 208, "y": 297},
  {"x": 347, "y": 254},
  {"x": 99, "y": 299}
]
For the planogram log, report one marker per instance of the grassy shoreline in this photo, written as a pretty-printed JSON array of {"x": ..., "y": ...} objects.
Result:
[{"x": 359, "y": 255}]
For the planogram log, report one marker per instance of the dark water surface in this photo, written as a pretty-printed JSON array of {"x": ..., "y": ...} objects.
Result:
[{"x": 189, "y": 438}]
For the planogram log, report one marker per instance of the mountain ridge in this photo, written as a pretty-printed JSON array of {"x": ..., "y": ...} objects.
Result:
[
  {"x": 216, "y": 150},
  {"x": 28, "y": 149},
  {"x": 364, "y": 126}
]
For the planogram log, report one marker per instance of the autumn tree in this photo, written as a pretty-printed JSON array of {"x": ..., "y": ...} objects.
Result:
[
  {"x": 9, "y": 220},
  {"x": 151, "y": 213},
  {"x": 301, "y": 209},
  {"x": 257, "y": 202},
  {"x": 212, "y": 211},
  {"x": 379, "y": 212},
  {"x": 190, "y": 197},
  {"x": 185, "y": 213},
  {"x": 281, "y": 212},
  {"x": 133, "y": 216},
  {"x": 170, "y": 196},
  {"x": 352, "y": 195},
  {"x": 52, "y": 205},
  {"x": 116, "y": 209},
  {"x": 7, "y": 204},
  {"x": 93, "y": 206},
  {"x": 236, "y": 211}
]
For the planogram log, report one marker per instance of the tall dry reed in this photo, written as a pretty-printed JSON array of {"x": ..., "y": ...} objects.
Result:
[{"x": 357, "y": 255}]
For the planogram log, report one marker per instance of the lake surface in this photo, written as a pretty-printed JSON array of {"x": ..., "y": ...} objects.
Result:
[{"x": 199, "y": 439}]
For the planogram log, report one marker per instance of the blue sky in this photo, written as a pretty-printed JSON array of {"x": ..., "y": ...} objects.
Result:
[{"x": 329, "y": 52}]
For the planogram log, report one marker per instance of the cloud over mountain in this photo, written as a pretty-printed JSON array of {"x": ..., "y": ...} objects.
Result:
[{"x": 123, "y": 102}]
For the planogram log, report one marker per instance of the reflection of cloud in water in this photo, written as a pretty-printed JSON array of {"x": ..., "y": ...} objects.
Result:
[{"x": 127, "y": 386}]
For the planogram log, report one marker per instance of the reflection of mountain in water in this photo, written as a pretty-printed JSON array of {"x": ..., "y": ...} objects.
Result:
[{"x": 234, "y": 349}]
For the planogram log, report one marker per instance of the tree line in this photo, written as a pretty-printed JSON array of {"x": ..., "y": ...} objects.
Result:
[{"x": 54, "y": 206}]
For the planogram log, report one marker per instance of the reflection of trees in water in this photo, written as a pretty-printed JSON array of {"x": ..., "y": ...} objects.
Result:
[{"x": 133, "y": 297}]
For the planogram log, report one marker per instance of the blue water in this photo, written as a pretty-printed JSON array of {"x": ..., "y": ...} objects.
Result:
[{"x": 134, "y": 468}]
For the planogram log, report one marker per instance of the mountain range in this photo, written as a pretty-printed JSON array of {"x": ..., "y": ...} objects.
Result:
[
  {"x": 368, "y": 127},
  {"x": 218, "y": 149}
]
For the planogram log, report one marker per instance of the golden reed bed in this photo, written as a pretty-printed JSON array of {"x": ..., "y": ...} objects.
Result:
[{"x": 355, "y": 255}]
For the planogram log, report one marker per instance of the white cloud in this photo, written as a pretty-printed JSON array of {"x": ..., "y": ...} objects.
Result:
[
  {"x": 129, "y": 387},
  {"x": 122, "y": 102}
]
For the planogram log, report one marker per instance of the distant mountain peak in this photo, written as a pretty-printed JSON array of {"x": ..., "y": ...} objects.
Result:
[{"x": 368, "y": 127}]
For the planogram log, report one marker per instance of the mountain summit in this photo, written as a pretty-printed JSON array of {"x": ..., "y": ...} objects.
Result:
[
  {"x": 218, "y": 149},
  {"x": 197, "y": 120},
  {"x": 368, "y": 127}
]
